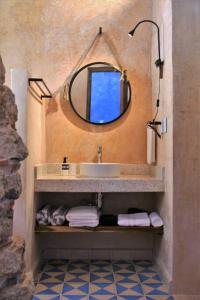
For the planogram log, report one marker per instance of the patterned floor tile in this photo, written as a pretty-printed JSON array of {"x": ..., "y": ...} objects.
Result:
[
  {"x": 155, "y": 289},
  {"x": 73, "y": 297},
  {"x": 125, "y": 268},
  {"x": 55, "y": 268},
  {"x": 102, "y": 289},
  {"x": 159, "y": 298},
  {"x": 126, "y": 277},
  {"x": 78, "y": 268},
  {"x": 77, "y": 277},
  {"x": 101, "y": 268},
  {"x": 52, "y": 277},
  {"x": 101, "y": 277},
  {"x": 143, "y": 263},
  {"x": 103, "y": 297},
  {"x": 149, "y": 269},
  {"x": 149, "y": 278},
  {"x": 129, "y": 289},
  {"x": 145, "y": 266},
  {"x": 131, "y": 298},
  {"x": 75, "y": 288},
  {"x": 99, "y": 280},
  {"x": 48, "y": 288},
  {"x": 46, "y": 297}
]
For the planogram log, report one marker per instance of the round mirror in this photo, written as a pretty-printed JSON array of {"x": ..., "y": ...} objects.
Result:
[{"x": 99, "y": 93}]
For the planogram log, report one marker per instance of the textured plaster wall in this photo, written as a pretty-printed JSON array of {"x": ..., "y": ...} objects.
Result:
[
  {"x": 186, "y": 49},
  {"x": 162, "y": 14},
  {"x": 50, "y": 41},
  {"x": 47, "y": 38},
  {"x": 34, "y": 144},
  {"x": 179, "y": 149},
  {"x": 125, "y": 140}
]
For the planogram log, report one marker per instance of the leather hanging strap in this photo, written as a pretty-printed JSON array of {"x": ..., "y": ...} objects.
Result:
[{"x": 85, "y": 54}]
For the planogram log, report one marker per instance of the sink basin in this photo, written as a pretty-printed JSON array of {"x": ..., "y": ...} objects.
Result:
[{"x": 99, "y": 169}]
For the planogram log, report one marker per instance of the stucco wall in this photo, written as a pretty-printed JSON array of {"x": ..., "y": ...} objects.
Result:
[
  {"x": 178, "y": 251},
  {"x": 48, "y": 38},
  {"x": 125, "y": 140},
  {"x": 186, "y": 106},
  {"x": 162, "y": 14}
]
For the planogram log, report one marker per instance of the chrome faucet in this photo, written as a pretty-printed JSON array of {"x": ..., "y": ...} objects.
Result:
[{"x": 99, "y": 154}]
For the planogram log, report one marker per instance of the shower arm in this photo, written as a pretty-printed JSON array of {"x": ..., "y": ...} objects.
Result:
[{"x": 159, "y": 63}]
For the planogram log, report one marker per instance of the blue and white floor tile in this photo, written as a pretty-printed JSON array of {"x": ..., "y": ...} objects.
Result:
[{"x": 99, "y": 280}]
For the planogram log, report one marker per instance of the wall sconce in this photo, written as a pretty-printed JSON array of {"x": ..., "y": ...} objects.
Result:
[{"x": 159, "y": 63}]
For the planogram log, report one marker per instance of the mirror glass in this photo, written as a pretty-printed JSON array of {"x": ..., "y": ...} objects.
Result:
[{"x": 99, "y": 93}]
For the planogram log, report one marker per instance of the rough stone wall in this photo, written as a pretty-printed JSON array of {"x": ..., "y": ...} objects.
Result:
[{"x": 15, "y": 283}]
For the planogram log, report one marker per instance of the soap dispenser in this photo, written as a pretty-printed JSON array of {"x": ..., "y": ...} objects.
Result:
[{"x": 65, "y": 167}]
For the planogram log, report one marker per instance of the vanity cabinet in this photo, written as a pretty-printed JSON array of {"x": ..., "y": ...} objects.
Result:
[
  {"x": 133, "y": 179},
  {"x": 129, "y": 190}
]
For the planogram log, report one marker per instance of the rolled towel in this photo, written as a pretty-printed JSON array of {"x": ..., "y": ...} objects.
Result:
[
  {"x": 42, "y": 216},
  {"x": 58, "y": 216},
  {"x": 83, "y": 212},
  {"x": 155, "y": 219},
  {"x": 137, "y": 219}
]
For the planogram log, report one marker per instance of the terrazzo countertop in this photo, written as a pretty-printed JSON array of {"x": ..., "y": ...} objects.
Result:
[{"x": 153, "y": 181}]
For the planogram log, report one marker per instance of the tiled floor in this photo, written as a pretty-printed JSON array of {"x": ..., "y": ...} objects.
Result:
[{"x": 100, "y": 280}]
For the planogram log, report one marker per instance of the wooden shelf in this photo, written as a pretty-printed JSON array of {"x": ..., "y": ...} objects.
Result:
[{"x": 67, "y": 229}]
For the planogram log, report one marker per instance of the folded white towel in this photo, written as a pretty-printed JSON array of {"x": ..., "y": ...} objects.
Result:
[
  {"x": 83, "y": 212},
  {"x": 84, "y": 223},
  {"x": 137, "y": 219},
  {"x": 78, "y": 220},
  {"x": 155, "y": 219}
]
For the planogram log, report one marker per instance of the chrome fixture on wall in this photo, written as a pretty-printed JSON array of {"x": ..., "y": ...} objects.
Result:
[{"x": 159, "y": 63}]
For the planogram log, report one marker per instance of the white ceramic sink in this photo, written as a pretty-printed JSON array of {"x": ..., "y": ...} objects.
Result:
[{"x": 99, "y": 169}]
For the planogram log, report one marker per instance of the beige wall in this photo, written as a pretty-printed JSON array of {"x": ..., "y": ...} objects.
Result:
[
  {"x": 178, "y": 251},
  {"x": 35, "y": 116},
  {"x": 124, "y": 140},
  {"x": 162, "y": 14},
  {"x": 186, "y": 49},
  {"x": 50, "y": 41}
]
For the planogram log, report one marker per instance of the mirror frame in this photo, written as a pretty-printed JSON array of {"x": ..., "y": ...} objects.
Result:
[{"x": 70, "y": 98}]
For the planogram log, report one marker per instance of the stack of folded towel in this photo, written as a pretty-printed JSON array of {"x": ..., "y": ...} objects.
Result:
[
  {"x": 49, "y": 215},
  {"x": 83, "y": 216},
  {"x": 137, "y": 219},
  {"x": 140, "y": 219}
]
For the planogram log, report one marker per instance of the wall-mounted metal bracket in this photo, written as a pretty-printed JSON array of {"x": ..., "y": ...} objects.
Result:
[
  {"x": 152, "y": 124},
  {"x": 38, "y": 82}
]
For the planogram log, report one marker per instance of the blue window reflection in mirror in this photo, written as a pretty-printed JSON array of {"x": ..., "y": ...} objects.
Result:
[
  {"x": 99, "y": 93},
  {"x": 103, "y": 94}
]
